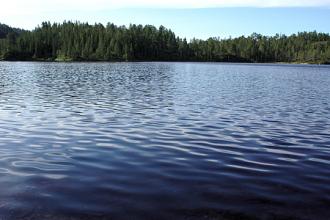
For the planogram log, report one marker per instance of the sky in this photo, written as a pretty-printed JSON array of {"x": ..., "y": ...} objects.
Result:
[{"x": 187, "y": 18}]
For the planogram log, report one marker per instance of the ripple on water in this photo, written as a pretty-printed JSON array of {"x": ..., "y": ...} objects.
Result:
[{"x": 164, "y": 141}]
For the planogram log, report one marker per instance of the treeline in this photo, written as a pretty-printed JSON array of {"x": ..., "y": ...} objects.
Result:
[
  {"x": 77, "y": 41},
  {"x": 5, "y": 29}
]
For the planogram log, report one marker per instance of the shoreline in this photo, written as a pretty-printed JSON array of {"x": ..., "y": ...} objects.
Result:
[{"x": 155, "y": 61}]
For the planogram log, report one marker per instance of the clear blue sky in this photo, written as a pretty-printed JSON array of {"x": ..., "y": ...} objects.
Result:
[
  {"x": 225, "y": 22},
  {"x": 187, "y": 18}
]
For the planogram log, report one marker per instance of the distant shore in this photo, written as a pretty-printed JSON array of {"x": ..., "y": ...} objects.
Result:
[
  {"x": 76, "y": 42},
  {"x": 170, "y": 61}
]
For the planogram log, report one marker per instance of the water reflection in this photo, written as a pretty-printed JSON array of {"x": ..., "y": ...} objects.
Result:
[{"x": 163, "y": 141}]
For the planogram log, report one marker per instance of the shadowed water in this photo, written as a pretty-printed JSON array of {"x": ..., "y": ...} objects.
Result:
[{"x": 164, "y": 141}]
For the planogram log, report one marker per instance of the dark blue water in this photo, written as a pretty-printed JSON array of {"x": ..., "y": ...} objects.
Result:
[{"x": 164, "y": 141}]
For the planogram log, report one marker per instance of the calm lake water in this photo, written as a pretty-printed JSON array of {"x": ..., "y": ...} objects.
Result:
[{"x": 164, "y": 141}]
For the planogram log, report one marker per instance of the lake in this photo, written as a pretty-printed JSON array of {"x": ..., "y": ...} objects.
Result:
[{"x": 164, "y": 141}]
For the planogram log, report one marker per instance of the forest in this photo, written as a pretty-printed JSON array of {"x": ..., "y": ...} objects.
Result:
[{"x": 75, "y": 41}]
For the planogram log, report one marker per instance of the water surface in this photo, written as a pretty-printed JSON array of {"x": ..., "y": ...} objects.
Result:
[{"x": 164, "y": 141}]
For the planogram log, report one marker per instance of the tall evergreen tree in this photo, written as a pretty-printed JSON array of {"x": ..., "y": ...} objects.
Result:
[{"x": 82, "y": 41}]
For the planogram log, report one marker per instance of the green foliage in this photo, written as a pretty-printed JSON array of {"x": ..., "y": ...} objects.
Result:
[
  {"x": 5, "y": 29},
  {"x": 71, "y": 41}
]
